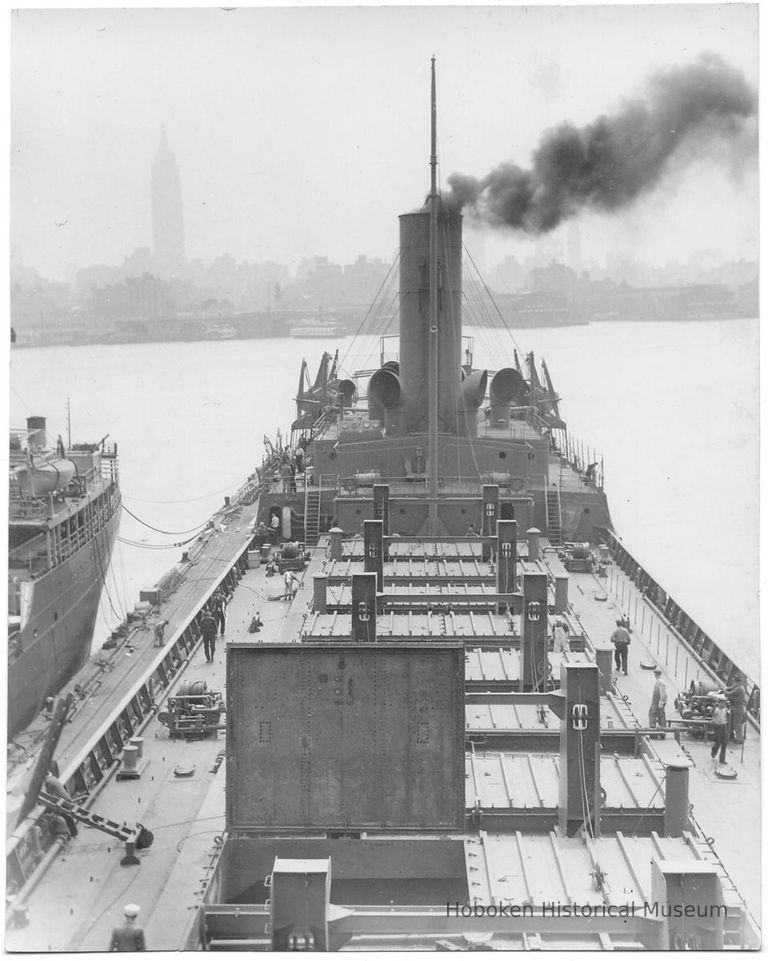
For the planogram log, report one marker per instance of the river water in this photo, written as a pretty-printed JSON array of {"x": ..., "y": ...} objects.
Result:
[{"x": 672, "y": 407}]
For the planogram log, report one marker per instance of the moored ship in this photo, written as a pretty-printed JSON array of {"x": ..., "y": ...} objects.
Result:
[{"x": 64, "y": 510}]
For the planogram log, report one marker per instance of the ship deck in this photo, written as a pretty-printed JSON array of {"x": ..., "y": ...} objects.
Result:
[{"x": 509, "y": 781}]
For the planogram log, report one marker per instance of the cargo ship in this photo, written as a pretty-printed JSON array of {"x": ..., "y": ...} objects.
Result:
[
  {"x": 64, "y": 511},
  {"x": 412, "y": 731}
]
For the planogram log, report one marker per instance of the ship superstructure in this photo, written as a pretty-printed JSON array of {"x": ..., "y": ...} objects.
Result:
[{"x": 64, "y": 510}]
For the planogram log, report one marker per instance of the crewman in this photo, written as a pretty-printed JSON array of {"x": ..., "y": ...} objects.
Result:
[
  {"x": 620, "y": 640},
  {"x": 720, "y": 726},
  {"x": 52, "y": 785},
  {"x": 274, "y": 527},
  {"x": 292, "y": 583},
  {"x": 219, "y": 608},
  {"x": 208, "y": 628},
  {"x": 657, "y": 716},
  {"x": 262, "y": 534},
  {"x": 128, "y": 936},
  {"x": 285, "y": 473},
  {"x": 737, "y": 701},
  {"x": 160, "y": 633},
  {"x": 561, "y": 640}
]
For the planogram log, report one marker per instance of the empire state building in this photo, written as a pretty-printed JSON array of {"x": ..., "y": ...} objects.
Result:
[{"x": 167, "y": 217}]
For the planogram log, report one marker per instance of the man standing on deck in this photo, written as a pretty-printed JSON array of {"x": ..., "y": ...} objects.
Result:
[
  {"x": 561, "y": 640},
  {"x": 720, "y": 726},
  {"x": 737, "y": 701},
  {"x": 219, "y": 609},
  {"x": 208, "y": 628},
  {"x": 274, "y": 527},
  {"x": 285, "y": 474},
  {"x": 160, "y": 633},
  {"x": 128, "y": 936},
  {"x": 657, "y": 716},
  {"x": 620, "y": 640}
]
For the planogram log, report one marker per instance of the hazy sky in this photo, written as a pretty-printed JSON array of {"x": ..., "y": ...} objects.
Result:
[{"x": 306, "y": 130}]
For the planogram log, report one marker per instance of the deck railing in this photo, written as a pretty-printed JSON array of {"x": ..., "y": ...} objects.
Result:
[{"x": 580, "y": 456}]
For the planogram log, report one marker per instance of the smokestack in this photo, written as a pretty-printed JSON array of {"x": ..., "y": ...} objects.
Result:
[
  {"x": 414, "y": 316},
  {"x": 616, "y": 159}
]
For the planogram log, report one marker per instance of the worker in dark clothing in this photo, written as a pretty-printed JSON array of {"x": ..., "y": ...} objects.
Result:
[
  {"x": 56, "y": 827},
  {"x": 208, "y": 627},
  {"x": 285, "y": 474},
  {"x": 160, "y": 633},
  {"x": 720, "y": 726},
  {"x": 620, "y": 640},
  {"x": 53, "y": 786},
  {"x": 219, "y": 609},
  {"x": 737, "y": 701},
  {"x": 657, "y": 716},
  {"x": 128, "y": 936}
]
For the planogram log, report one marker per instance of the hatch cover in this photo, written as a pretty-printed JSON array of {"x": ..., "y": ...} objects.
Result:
[{"x": 345, "y": 736}]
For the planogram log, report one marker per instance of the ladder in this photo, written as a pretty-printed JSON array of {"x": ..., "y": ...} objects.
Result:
[
  {"x": 312, "y": 516},
  {"x": 554, "y": 516}
]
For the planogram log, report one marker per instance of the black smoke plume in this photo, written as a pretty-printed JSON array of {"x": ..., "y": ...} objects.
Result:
[{"x": 612, "y": 161}]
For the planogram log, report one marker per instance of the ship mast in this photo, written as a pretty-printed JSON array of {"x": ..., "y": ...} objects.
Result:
[{"x": 433, "y": 354}]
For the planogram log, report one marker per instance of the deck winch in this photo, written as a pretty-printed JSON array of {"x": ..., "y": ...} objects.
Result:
[
  {"x": 578, "y": 557},
  {"x": 194, "y": 711},
  {"x": 697, "y": 703}
]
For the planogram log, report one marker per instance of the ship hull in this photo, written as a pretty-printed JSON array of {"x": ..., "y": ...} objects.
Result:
[{"x": 56, "y": 639}]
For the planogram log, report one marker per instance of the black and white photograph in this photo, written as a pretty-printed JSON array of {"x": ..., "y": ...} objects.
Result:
[{"x": 384, "y": 478}]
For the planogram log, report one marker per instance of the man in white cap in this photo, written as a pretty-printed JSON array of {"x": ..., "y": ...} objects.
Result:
[
  {"x": 657, "y": 716},
  {"x": 128, "y": 936}
]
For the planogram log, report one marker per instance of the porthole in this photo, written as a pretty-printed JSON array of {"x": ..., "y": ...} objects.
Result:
[{"x": 502, "y": 455}]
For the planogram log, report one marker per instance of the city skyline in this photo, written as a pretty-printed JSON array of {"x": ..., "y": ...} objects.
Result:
[{"x": 284, "y": 160}]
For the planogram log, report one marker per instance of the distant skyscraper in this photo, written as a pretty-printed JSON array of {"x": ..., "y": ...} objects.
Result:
[{"x": 167, "y": 216}]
